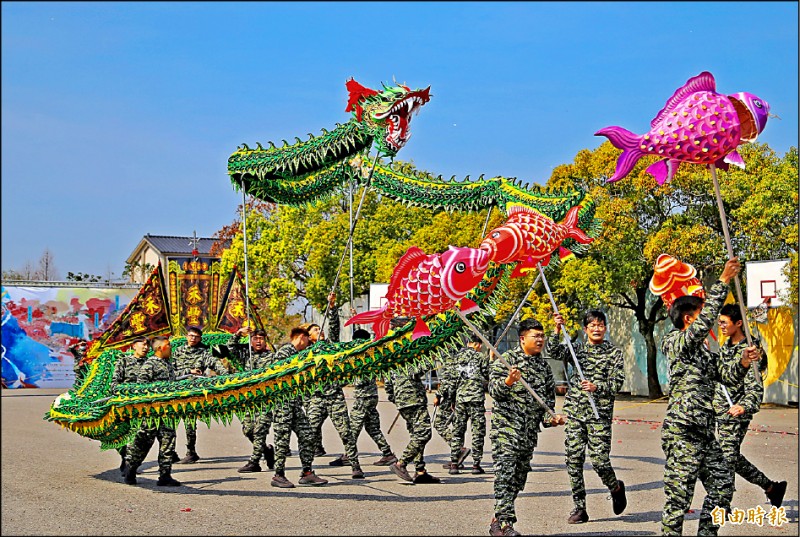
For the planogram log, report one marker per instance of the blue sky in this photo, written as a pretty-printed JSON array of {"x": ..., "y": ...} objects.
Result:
[{"x": 118, "y": 118}]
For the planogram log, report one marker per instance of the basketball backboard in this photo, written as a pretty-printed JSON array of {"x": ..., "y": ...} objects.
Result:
[
  {"x": 765, "y": 280},
  {"x": 377, "y": 294}
]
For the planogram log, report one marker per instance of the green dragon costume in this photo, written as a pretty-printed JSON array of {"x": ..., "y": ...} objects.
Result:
[{"x": 295, "y": 175}]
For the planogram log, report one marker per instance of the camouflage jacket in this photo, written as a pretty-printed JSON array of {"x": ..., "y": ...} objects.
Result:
[
  {"x": 127, "y": 369},
  {"x": 515, "y": 404},
  {"x": 186, "y": 358},
  {"x": 156, "y": 368},
  {"x": 447, "y": 380},
  {"x": 287, "y": 351},
  {"x": 329, "y": 390},
  {"x": 602, "y": 365},
  {"x": 405, "y": 390},
  {"x": 365, "y": 388},
  {"x": 255, "y": 360},
  {"x": 748, "y": 393},
  {"x": 471, "y": 376},
  {"x": 693, "y": 368}
]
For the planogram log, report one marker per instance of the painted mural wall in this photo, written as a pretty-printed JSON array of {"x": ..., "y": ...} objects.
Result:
[{"x": 39, "y": 323}]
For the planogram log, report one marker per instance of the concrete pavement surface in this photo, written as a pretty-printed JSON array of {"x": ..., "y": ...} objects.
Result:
[{"x": 55, "y": 482}]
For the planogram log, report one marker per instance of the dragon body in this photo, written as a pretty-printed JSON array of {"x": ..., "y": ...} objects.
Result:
[{"x": 295, "y": 175}]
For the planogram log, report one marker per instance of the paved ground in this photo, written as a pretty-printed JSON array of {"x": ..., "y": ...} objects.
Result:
[{"x": 56, "y": 482}]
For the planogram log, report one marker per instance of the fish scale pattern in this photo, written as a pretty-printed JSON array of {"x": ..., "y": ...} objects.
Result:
[{"x": 704, "y": 127}]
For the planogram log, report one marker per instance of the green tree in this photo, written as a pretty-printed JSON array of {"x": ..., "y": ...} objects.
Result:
[{"x": 82, "y": 277}]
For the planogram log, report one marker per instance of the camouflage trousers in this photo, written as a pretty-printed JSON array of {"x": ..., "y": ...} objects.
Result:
[
  {"x": 145, "y": 436},
  {"x": 418, "y": 425},
  {"x": 476, "y": 414},
  {"x": 318, "y": 408},
  {"x": 191, "y": 435},
  {"x": 287, "y": 419},
  {"x": 596, "y": 437},
  {"x": 731, "y": 435},
  {"x": 444, "y": 429},
  {"x": 511, "y": 463},
  {"x": 365, "y": 416},
  {"x": 693, "y": 454},
  {"x": 256, "y": 427}
]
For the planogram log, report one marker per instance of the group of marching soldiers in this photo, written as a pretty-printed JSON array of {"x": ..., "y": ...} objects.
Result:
[{"x": 708, "y": 391}]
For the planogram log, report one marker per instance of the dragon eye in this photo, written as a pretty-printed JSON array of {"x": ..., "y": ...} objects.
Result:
[
  {"x": 460, "y": 267},
  {"x": 757, "y": 103},
  {"x": 496, "y": 235}
]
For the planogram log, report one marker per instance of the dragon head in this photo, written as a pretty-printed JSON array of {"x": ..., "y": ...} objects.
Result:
[{"x": 386, "y": 114}]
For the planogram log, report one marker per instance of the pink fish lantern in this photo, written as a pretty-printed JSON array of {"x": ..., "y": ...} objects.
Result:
[
  {"x": 673, "y": 279},
  {"x": 424, "y": 284},
  {"x": 697, "y": 125},
  {"x": 530, "y": 237}
]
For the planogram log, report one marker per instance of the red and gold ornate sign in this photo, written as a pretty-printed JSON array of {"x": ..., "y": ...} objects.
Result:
[{"x": 232, "y": 312}]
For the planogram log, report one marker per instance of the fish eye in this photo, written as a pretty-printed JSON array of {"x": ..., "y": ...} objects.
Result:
[
  {"x": 460, "y": 267},
  {"x": 757, "y": 103},
  {"x": 496, "y": 235}
]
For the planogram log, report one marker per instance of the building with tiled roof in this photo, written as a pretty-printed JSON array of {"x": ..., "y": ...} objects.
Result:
[{"x": 153, "y": 249}]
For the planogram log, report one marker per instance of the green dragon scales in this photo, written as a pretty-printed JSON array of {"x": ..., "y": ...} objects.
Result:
[{"x": 295, "y": 175}]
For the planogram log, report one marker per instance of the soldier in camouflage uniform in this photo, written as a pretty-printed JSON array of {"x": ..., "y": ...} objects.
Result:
[
  {"x": 365, "y": 412},
  {"x": 471, "y": 378},
  {"x": 733, "y": 421},
  {"x": 126, "y": 370},
  {"x": 516, "y": 418},
  {"x": 290, "y": 417},
  {"x": 603, "y": 368},
  {"x": 328, "y": 402},
  {"x": 194, "y": 358},
  {"x": 156, "y": 368},
  {"x": 407, "y": 392},
  {"x": 444, "y": 399},
  {"x": 255, "y": 425},
  {"x": 687, "y": 436}
]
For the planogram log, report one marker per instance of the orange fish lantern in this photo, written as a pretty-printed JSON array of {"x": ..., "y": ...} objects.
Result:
[{"x": 673, "y": 278}]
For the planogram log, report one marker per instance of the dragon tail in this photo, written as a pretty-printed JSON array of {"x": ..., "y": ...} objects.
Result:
[{"x": 629, "y": 143}]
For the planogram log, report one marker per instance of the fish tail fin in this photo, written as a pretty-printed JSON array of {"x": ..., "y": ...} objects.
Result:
[
  {"x": 573, "y": 231},
  {"x": 468, "y": 306},
  {"x": 629, "y": 143},
  {"x": 380, "y": 324}
]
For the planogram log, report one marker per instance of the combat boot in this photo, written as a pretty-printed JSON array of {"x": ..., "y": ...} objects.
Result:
[
  {"x": 130, "y": 475},
  {"x": 776, "y": 492},
  {"x": 357, "y": 472},
  {"x": 465, "y": 451},
  {"x": 190, "y": 458},
  {"x": 453, "y": 470},
  {"x": 174, "y": 458},
  {"x": 269, "y": 456},
  {"x": 386, "y": 460},
  {"x": 508, "y": 530},
  {"x": 400, "y": 471},
  {"x": 340, "y": 461},
  {"x": 578, "y": 516},
  {"x": 166, "y": 480},
  {"x": 618, "y": 500},
  {"x": 476, "y": 469},
  {"x": 494, "y": 528},
  {"x": 425, "y": 478},
  {"x": 249, "y": 467},
  {"x": 280, "y": 481},
  {"x": 309, "y": 478}
]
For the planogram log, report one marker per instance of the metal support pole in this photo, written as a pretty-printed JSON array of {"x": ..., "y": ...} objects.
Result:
[
  {"x": 568, "y": 340},
  {"x": 739, "y": 296},
  {"x": 246, "y": 273}
]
